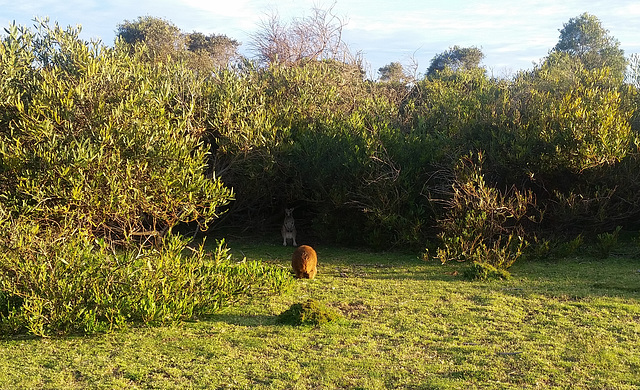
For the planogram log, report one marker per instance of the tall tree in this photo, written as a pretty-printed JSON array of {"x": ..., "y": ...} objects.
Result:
[
  {"x": 584, "y": 39},
  {"x": 456, "y": 58},
  {"x": 213, "y": 50}
]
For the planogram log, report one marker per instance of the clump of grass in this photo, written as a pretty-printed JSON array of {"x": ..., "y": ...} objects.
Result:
[
  {"x": 484, "y": 271},
  {"x": 310, "y": 312}
]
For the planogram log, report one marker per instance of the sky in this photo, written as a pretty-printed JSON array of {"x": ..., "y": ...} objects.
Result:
[{"x": 512, "y": 34}]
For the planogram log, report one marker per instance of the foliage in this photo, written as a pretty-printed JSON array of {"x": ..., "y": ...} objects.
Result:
[
  {"x": 393, "y": 73},
  {"x": 160, "y": 35},
  {"x": 606, "y": 242},
  {"x": 483, "y": 224},
  {"x": 585, "y": 39},
  {"x": 165, "y": 40},
  {"x": 455, "y": 59},
  {"x": 310, "y": 312},
  {"x": 362, "y": 161},
  {"x": 101, "y": 154},
  {"x": 58, "y": 282},
  {"x": 588, "y": 125},
  {"x": 100, "y": 137}
]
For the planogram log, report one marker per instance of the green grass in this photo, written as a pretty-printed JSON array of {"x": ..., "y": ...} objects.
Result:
[{"x": 406, "y": 323}]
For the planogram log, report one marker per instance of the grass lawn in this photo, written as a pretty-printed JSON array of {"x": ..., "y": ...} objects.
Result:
[{"x": 410, "y": 324}]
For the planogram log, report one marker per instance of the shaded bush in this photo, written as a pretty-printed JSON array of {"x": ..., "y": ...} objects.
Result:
[
  {"x": 482, "y": 224},
  {"x": 606, "y": 242}
]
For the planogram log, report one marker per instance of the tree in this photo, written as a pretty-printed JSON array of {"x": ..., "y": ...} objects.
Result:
[
  {"x": 393, "y": 72},
  {"x": 163, "y": 37},
  {"x": 456, "y": 58},
  {"x": 202, "y": 51},
  {"x": 213, "y": 50},
  {"x": 316, "y": 37},
  {"x": 584, "y": 39}
]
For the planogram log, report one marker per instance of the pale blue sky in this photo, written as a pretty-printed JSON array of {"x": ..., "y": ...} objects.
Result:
[{"x": 512, "y": 34}]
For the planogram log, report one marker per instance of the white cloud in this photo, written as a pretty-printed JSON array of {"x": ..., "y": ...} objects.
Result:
[{"x": 508, "y": 31}]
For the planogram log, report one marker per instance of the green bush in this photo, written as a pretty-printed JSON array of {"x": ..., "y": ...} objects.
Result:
[
  {"x": 118, "y": 143},
  {"x": 606, "y": 242},
  {"x": 310, "y": 312},
  {"x": 101, "y": 137},
  {"x": 65, "y": 281},
  {"x": 482, "y": 224}
]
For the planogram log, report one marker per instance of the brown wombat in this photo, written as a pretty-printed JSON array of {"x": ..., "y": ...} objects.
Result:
[{"x": 305, "y": 262}]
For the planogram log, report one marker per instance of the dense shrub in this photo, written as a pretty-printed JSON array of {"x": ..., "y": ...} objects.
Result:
[
  {"x": 102, "y": 153},
  {"x": 100, "y": 137},
  {"x": 65, "y": 281},
  {"x": 363, "y": 161}
]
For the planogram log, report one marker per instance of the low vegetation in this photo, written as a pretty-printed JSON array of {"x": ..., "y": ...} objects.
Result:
[{"x": 310, "y": 312}]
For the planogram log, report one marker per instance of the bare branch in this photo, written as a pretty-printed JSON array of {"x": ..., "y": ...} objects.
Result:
[{"x": 317, "y": 37}]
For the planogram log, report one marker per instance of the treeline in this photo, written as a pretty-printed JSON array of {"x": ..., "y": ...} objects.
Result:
[
  {"x": 550, "y": 152},
  {"x": 105, "y": 151}
]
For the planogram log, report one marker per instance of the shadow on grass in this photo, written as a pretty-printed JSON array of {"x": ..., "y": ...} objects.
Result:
[
  {"x": 243, "y": 320},
  {"x": 406, "y": 273}
]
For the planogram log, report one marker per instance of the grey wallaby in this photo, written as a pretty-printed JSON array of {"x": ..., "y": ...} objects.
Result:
[{"x": 288, "y": 227}]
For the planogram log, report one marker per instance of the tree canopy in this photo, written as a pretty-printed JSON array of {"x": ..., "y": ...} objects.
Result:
[
  {"x": 393, "y": 72},
  {"x": 584, "y": 39},
  {"x": 165, "y": 39},
  {"x": 456, "y": 58}
]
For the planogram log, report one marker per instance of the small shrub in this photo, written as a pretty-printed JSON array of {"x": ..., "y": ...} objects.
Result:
[
  {"x": 571, "y": 247},
  {"x": 539, "y": 248},
  {"x": 311, "y": 312},
  {"x": 484, "y": 271},
  {"x": 606, "y": 242},
  {"x": 544, "y": 249}
]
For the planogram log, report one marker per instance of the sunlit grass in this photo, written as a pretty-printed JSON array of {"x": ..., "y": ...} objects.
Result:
[{"x": 574, "y": 323}]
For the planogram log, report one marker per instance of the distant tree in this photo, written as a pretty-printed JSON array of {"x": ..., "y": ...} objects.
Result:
[
  {"x": 456, "y": 58},
  {"x": 585, "y": 40},
  {"x": 165, "y": 39},
  {"x": 316, "y": 37},
  {"x": 393, "y": 72},
  {"x": 214, "y": 50}
]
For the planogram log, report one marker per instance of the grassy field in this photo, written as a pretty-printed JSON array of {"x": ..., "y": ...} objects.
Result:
[{"x": 573, "y": 323}]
